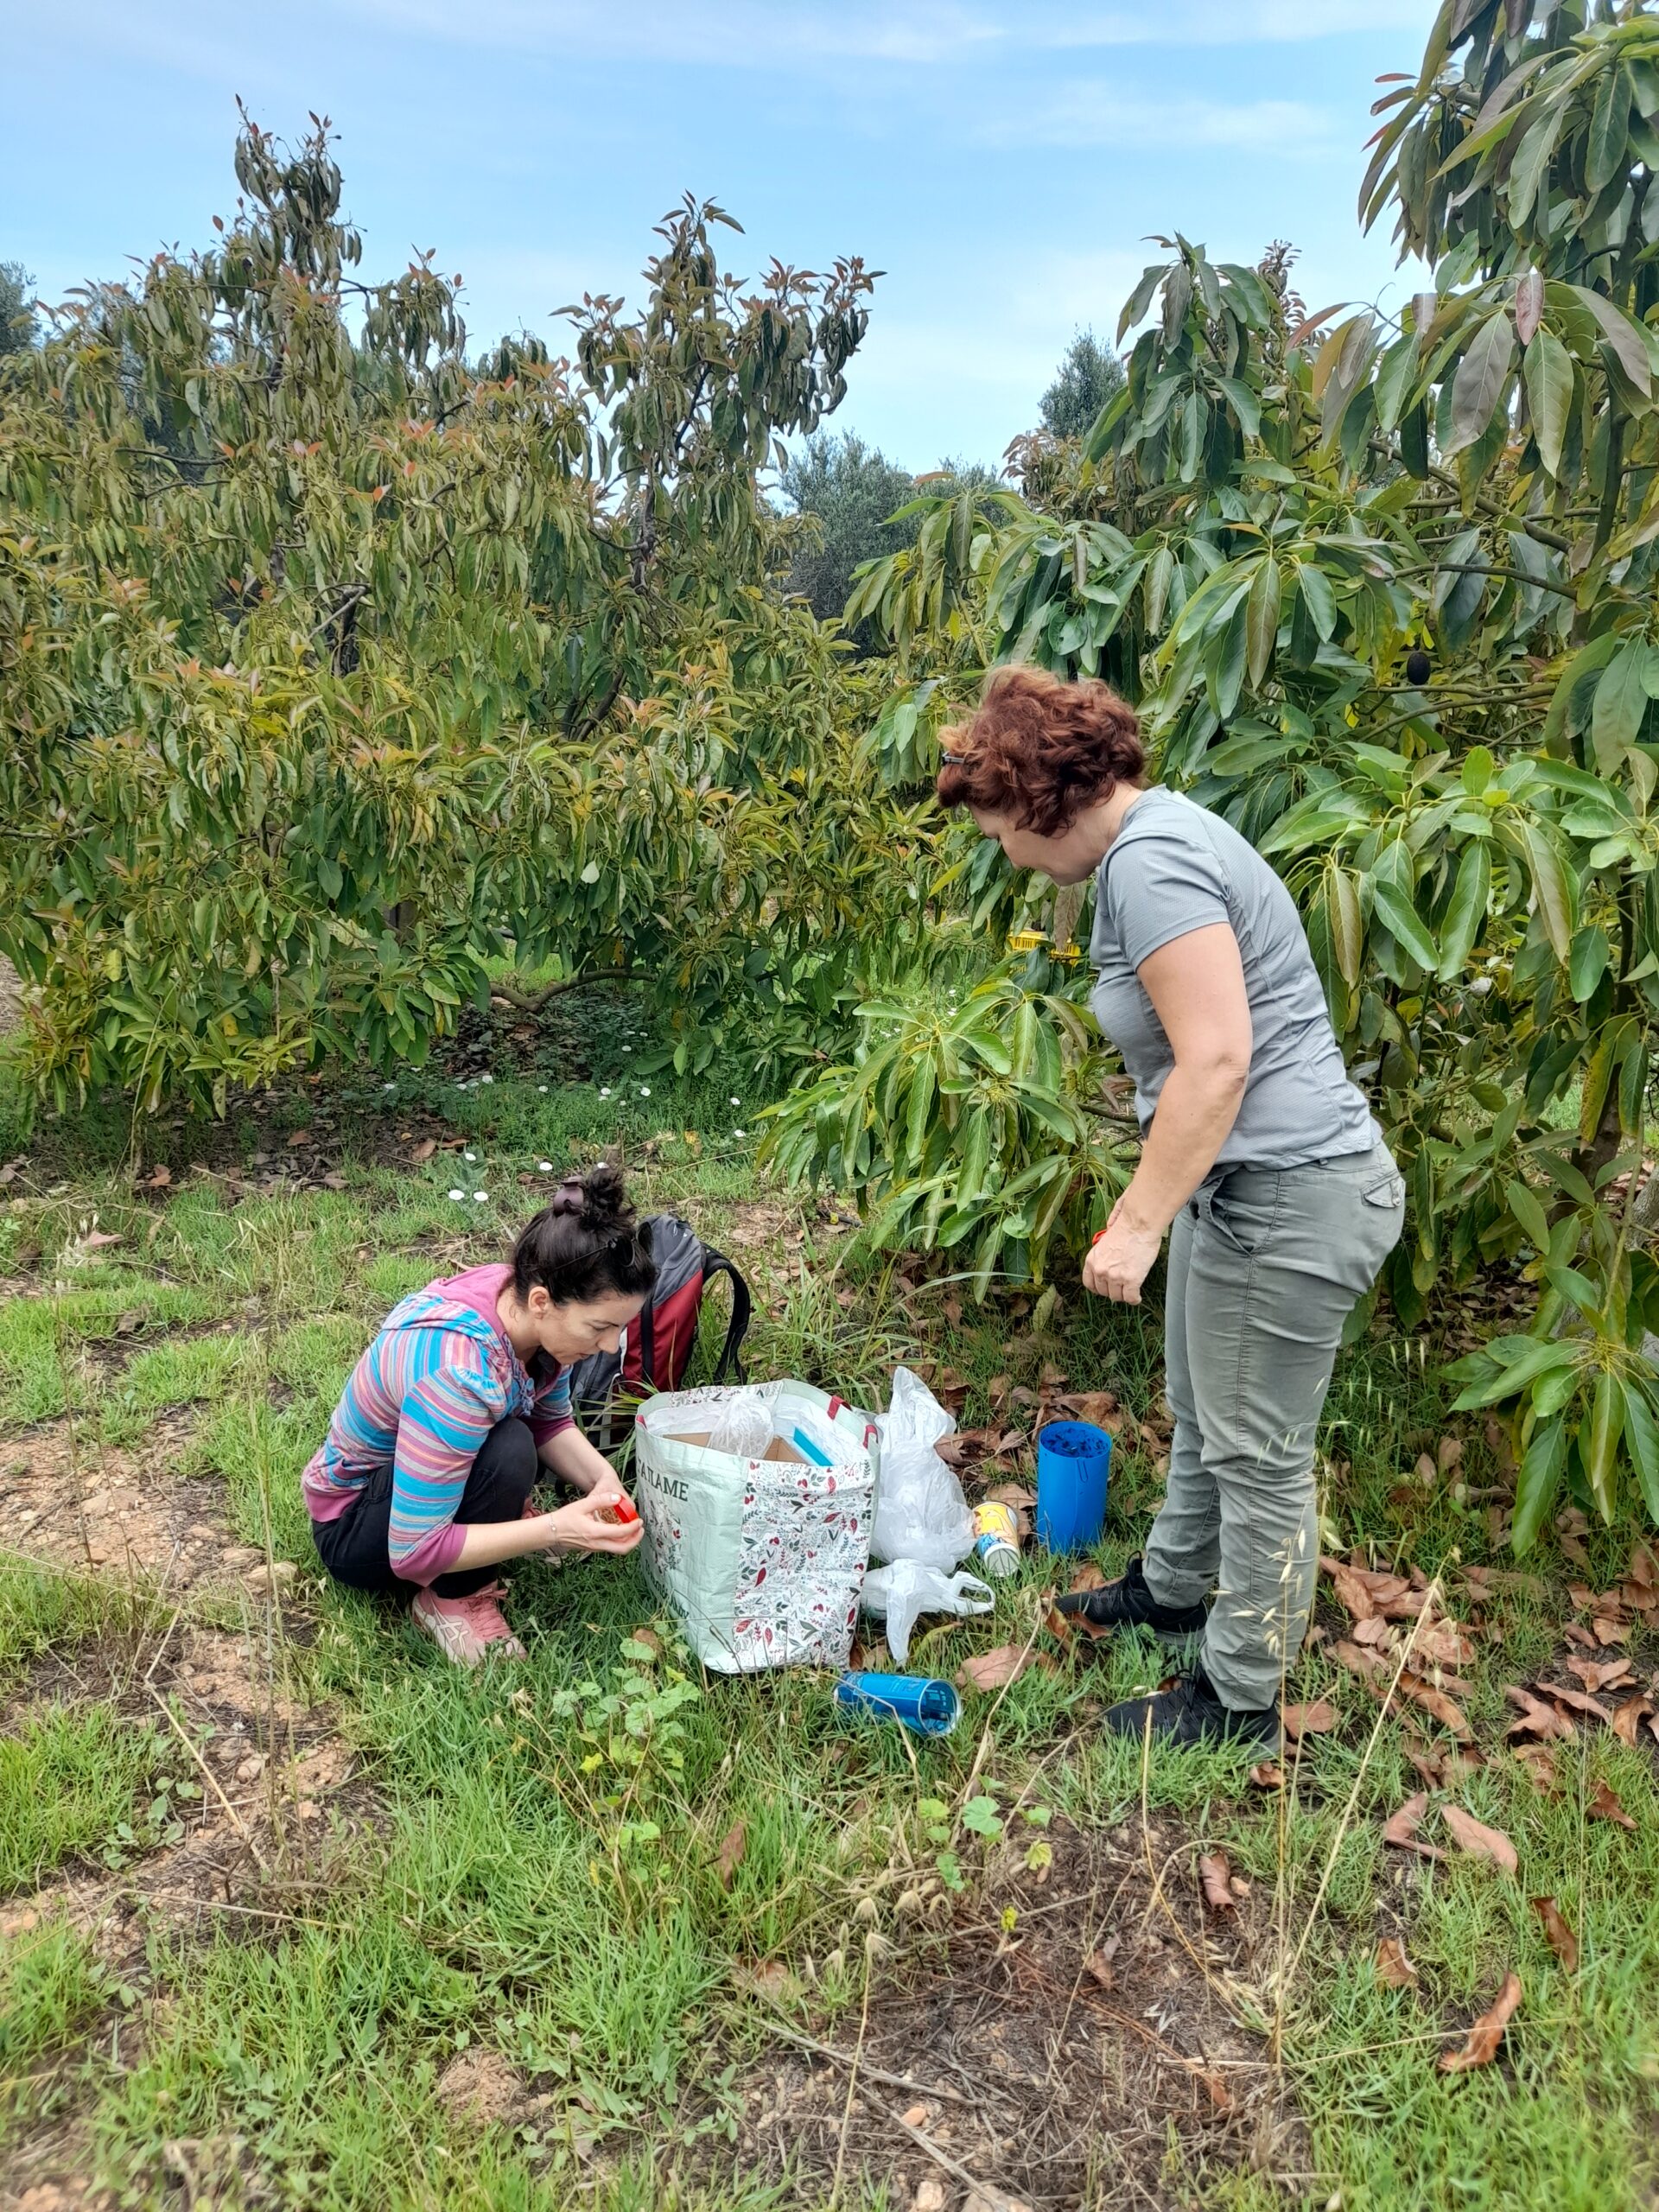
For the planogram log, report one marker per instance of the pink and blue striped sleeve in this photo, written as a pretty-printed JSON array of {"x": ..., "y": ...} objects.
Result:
[
  {"x": 450, "y": 1403},
  {"x": 551, "y": 1414}
]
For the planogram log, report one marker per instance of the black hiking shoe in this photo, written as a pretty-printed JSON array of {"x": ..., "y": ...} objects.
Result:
[
  {"x": 1129, "y": 1604},
  {"x": 1190, "y": 1713}
]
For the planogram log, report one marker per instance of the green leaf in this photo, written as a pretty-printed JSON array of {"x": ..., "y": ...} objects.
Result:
[
  {"x": 1466, "y": 917},
  {"x": 1261, "y": 617},
  {"x": 1587, "y": 963},
  {"x": 1537, "y": 1481},
  {"x": 1549, "y": 375},
  {"x": 1347, "y": 923},
  {"x": 1520, "y": 1375},
  {"x": 980, "y": 1814},
  {"x": 1606, "y": 1424},
  {"x": 1524, "y": 1205},
  {"x": 1605, "y": 152},
  {"x": 1318, "y": 597},
  {"x": 1642, "y": 1439},
  {"x": 1553, "y": 885},
  {"x": 1404, "y": 922},
  {"x": 1621, "y": 702},
  {"x": 1482, "y": 375}
]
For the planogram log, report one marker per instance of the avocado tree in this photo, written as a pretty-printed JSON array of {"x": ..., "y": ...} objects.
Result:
[
  {"x": 1384, "y": 591},
  {"x": 335, "y": 662}
]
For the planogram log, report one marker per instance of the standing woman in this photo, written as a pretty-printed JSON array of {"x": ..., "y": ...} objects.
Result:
[
  {"x": 1259, "y": 1157},
  {"x": 422, "y": 1486}
]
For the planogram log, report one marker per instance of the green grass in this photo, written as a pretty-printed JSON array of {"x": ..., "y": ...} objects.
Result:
[
  {"x": 52, "y": 1992},
  {"x": 540, "y": 1876},
  {"x": 42, "y": 1609},
  {"x": 69, "y": 1782}
]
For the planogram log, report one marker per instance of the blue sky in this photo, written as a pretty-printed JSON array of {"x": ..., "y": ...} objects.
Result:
[{"x": 1001, "y": 162}]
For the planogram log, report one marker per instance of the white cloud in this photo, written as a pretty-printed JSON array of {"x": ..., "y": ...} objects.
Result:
[{"x": 1103, "y": 112}]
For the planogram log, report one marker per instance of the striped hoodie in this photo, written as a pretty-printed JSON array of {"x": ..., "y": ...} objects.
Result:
[{"x": 422, "y": 1398}]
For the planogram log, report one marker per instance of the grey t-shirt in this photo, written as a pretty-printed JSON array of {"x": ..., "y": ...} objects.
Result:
[{"x": 1172, "y": 868}]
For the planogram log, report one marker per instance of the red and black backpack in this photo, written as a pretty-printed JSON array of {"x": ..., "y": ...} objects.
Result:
[{"x": 657, "y": 1348}]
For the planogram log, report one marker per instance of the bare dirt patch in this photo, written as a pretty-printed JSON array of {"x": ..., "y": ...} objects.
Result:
[
  {"x": 72, "y": 1503},
  {"x": 1047, "y": 2052}
]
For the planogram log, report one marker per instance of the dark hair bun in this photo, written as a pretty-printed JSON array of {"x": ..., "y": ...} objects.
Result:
[{"x": 586, "y": 1243}]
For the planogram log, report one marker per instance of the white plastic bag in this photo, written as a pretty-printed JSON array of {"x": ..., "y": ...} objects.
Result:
[
  {"x": 920, "y": 1512},
  {"x": 899, "y": 1593},
  {"x": 743, "y": 1424}
]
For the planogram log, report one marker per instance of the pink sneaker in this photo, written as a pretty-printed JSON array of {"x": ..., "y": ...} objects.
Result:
[{"x": 465, "y": 1628}]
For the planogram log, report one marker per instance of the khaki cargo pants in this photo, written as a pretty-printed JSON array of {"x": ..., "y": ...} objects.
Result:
[{"x": 1265, "y": 1265}]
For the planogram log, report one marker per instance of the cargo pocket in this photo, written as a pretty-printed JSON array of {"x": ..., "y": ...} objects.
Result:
[{"x": 1389, "y": 1190}]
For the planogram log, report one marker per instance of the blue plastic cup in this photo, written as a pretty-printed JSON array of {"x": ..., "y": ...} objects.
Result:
[
  {"x": 1074, "y": 1458},
  {"x": 928, "y": 1706}
]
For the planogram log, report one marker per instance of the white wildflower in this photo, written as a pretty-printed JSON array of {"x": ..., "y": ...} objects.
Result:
[
  {"x": 457, "y": 1196},
  {"x": 479, "y": 1197}
]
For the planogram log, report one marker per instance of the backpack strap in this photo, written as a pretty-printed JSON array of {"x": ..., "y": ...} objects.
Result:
[{"x": 730, "y": 1360}]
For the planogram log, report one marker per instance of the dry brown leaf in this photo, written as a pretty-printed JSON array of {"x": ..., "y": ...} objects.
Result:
[
  {"x": 1439, "y": 1705},
  {"x": 1539, "y": 1760},
  {"x": 1643, "y": 1566},
  {"x": 422, "y": 1151},
  {"x": 1099, "y": 1962},
  {"x": 1015, "y": 1494},
  {"x": 1215, "y": 1876},
  {"x": 1350, "y": 1591},
  {"x": 990, "y": 1671},
  {"x": 1448, "y": 1453},
  {"x": 1604, "y": 1806},
  {"x": 1480, "y": 2046},
  {"x": 1099, "y": 1407},
  {"x": 1268, "y": 1775},
  {"x": 1627, "y": 1720},
  {"x": 1444, "y": 1644},
  {"x": 1480, "y": 1842},
  {"x": 1400, "y": 1828},
  {"x": 1559, "y": 1936},
  {"x": 1088, "y": 1577},
  {"x": 157, "y": 1180},
  {"x": 1316, "y": 1719},
  {"x": 1393, "y": 1966},
  {"x": 1601, "y": 1674},
  {"x": 1579, "y": 1700},
  {"x": 1429, "y": 1765},
  {"x": 730, "y": 1857},
  {"x": 1375, "y": 1634},
  {"x": 300, "y": 1137},
  {"x": 996, "y": 1392},
  {"x": 1537, "y": 1719},
  {"x": 1369, "y": 1666},
  {"x": 770, "y": 1979},
  {"x": 1609, "y": 1630},
  {"x": 1061, "y": 1626}
]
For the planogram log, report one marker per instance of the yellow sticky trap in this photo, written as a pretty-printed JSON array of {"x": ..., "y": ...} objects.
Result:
[{"x": 1026, "y": 941}]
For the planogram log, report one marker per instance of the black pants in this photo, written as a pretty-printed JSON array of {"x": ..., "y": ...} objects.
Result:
[{"x": 354, "y": 1548}]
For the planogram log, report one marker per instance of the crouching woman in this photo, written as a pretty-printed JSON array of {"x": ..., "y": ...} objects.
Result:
[{"x": 424, "y": 1483}]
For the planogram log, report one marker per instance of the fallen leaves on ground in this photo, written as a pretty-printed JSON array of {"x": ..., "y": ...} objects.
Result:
[
  {"x": 1480, "y": 1842},
  {"x": 730, "y": 1857},
  {"x": 1268, "y": 1775},
  {"x": 1316, "y": 1719},
  {"x": 1480, "y": 2045},
  {"x": 1537, "y": 1719},
  {"x": 423, "y": 1151},
  {"x": 1099, "y": 1962},
  {"x": 1604, "y": 1806},
  {"x": 1099, "y": 1407},
  {"x": 1539, "y": 1760},
  {"x": 990, "y": 1670},
  {"x": 1393, "y": 1966},
  {"x": 1400, "y": 1828},
  {"x": 1437, "y": 1703},
  {"x": 1215, "y": 1876},
  {"x": 1559, "y": 1936},
  {"x": 968, "y": 1446},
  {"x": 1601, "y": 1674},
  {"x": 1579, "y": 1700},
  {"x": 1088, "y": 1577},
  {"x": 1627, "y": 1719}
]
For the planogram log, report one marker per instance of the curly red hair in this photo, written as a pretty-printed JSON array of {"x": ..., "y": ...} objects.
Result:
[{"x": 1038, "y": 749}]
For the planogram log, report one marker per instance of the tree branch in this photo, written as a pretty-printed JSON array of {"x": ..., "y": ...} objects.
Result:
[{"x": 509, "y": 993}]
